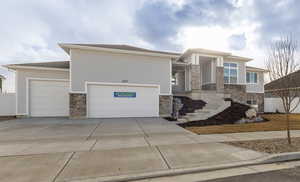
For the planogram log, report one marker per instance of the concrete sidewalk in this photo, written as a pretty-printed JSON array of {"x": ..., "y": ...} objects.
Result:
[{"x": 67, "y": 150}]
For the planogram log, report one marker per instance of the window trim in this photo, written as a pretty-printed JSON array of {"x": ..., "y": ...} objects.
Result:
[
  {"x": 237, "y": 72},
  {"x": 252, "y": 83},
  {"x": 251, "y": 100}
]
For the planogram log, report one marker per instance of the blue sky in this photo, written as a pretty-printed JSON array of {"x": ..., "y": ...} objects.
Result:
[{"x": 31, "y": 29}]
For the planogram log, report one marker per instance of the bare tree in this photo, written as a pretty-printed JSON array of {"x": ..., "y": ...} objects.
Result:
[{"x": 281, "y": 63}]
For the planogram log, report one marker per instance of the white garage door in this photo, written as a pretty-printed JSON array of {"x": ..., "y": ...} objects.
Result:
[
  {"x": 48, "y": 98},
  {"x": 106, "y": 101}
]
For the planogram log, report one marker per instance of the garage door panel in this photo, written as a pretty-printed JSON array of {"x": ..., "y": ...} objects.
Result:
[
  {"x": 102, "y": 103},
  {"x": 48, "y": 98}
]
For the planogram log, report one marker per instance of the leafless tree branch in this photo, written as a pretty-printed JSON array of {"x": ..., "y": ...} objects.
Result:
[{"x": 281, "y": 63}]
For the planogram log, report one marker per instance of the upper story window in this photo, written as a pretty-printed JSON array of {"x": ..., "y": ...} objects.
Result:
[
  {"x": 251, "y": 77},
  {"x": 230, "y": 73},
  {"x": 174, "y": 79}
]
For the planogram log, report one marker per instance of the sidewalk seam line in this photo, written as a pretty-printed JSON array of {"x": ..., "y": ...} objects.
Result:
[
  {"x": 64, "y": 166},
  {"x": 163, "y": 157},
  {"x": 137, "y": 122},
  {"x": 90, "y": 135},
  {"x": 92, "y": 147},
  {"x": 145, "y": 138}
]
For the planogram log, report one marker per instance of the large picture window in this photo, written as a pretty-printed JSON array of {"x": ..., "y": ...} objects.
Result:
[
  {"x": 251, "y": 77},
  {"x": 230, "y": 73}
]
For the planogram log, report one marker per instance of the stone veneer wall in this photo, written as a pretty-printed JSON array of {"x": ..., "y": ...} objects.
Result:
[
  {"x": 196, "y": 77},
  {"x": 259, "y": 97},
  {"x": 209, "y": 86},
  {"x": 237, "y": 92},
  {"x": 78, "y": 105},
  {"x": 165, "y": 105},
  {"x": 220, "y": 79}
]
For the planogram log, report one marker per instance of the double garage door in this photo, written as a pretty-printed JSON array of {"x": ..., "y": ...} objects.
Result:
[
  {"x": 105, "y": 101},
  {"x": 51, "y": 98}
]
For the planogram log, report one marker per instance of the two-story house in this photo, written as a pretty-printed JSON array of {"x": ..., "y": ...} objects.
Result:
[{"x": 102, "y": 80}]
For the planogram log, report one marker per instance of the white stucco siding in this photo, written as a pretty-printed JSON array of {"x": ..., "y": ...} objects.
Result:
[
  {"x": 259, "y": 86},
  {"x": 21, "y": 88},
  {"x": 96, "y": 66},
  {"x": 7, "y": 104}
]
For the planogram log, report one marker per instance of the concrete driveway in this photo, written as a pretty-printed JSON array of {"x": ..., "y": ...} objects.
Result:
[{"x": 59, "y": 149}]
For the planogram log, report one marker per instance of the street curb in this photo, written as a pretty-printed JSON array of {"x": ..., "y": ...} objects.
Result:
[
  {"x": 273, "y": 158},
  {"x": 283, "y": 157}
]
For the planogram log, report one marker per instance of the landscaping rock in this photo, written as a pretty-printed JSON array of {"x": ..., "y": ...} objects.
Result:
[
  {"x": 253, "y": 120},
  {"x": 251, "y": 113}
]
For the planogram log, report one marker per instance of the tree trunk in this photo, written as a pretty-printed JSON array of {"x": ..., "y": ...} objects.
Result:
[{"x": 288, "y": 128}]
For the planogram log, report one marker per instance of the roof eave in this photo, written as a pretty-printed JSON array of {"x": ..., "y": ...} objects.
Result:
[
  {"x": 257, "y": 69},
  {"x": 238, "y": 58},
  {"x": 67, "y": 48},
  {"x": 15, "y": 67}
]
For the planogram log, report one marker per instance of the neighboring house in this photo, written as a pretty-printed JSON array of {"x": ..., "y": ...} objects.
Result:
[
  {"x": 272, "y": 102},
  {"x": 103, "y": 80},
  {"x": 2, "y": 78}
]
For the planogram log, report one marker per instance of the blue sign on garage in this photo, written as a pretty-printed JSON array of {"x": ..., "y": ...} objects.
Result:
[{"x": 125, "y": 94}]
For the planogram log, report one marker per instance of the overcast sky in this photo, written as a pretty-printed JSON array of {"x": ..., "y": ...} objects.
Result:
[{"x": 31, "y": 29}]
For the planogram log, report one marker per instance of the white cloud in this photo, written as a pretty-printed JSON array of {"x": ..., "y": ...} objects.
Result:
[{"x": 31, "y": 29}]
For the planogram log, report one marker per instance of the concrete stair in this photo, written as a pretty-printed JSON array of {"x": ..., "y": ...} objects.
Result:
[{"x": 215, "y": 104}]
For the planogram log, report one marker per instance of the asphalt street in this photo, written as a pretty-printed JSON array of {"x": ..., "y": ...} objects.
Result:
[{"x": 286, "y": 175}]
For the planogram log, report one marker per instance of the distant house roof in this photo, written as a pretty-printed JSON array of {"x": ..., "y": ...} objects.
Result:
[
  {"x": 2, "y": 77},
  {"x": 256, "y": 69},
  {"x": 55, "y": 64},
  {"x": 294, "y": 81},
  {"x": 123, "y": 47}
]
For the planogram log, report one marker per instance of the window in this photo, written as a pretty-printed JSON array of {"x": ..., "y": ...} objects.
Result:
[
  {"x": 230, "y": 73},
  {"x": 252, "y": 102},
  {"x": 251, "y": 77},
  {"x": 174, "y": 79}
]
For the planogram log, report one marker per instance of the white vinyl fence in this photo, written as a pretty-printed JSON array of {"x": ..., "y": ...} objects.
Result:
[
  {"x": 7, "y": 104},
  {"x": 275, "y": 104}
]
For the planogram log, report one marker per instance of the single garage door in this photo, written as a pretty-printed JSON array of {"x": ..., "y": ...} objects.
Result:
[
  {"x": 106, "y": 101},
  {"x": 48, "y": 98}
]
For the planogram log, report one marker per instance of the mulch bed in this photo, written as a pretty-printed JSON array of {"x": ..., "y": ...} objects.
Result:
[
  {"x": 272, "y": 146},
  {"x": 189, "y": 105},
  {"x": 229, "y": 116}
]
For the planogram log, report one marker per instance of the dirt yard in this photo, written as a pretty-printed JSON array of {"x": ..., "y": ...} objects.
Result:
[
  {"x": 276, "y": 123},
  {"x": 271, "y": 146}
]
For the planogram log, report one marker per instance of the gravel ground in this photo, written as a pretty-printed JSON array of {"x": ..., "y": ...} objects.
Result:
[{"x": 272, "y": 146}]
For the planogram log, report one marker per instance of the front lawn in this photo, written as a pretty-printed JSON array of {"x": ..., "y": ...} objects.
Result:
[{"x": 276, "y": 123}]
